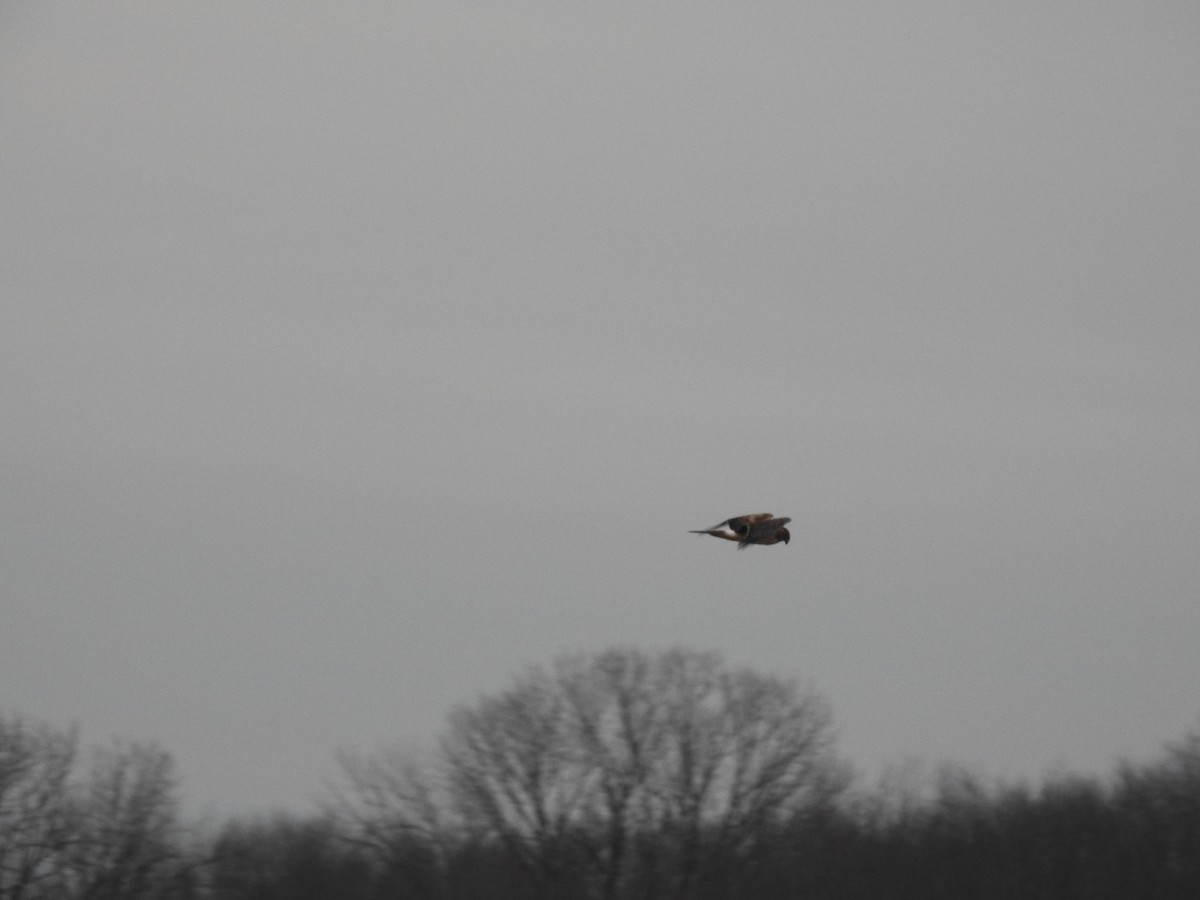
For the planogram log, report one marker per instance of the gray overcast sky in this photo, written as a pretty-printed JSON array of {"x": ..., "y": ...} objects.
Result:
[{"x": 356, "y": 354}]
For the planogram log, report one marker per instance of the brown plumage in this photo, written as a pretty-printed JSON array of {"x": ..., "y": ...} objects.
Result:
[{"x": 757, "y": 528}]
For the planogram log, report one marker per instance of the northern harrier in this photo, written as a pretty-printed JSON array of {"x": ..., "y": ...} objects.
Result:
[{"x": 757, "y": 528}]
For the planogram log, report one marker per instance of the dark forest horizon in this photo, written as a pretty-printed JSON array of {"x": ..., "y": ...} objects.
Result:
[{"x": 617, "y": 774}]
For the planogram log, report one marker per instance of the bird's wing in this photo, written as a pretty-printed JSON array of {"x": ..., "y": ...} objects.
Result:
[{"x": 742, "y": 523}]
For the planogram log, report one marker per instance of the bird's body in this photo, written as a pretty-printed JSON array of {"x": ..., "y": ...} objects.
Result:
[{"x": 757, "y": 528}]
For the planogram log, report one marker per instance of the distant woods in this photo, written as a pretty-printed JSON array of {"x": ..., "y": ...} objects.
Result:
[{"x": 621, "y": 774}]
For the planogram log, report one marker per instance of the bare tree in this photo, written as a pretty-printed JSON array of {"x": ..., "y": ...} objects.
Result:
[
  {"x": 626, "y": 768},
  {"x": 126, "y": 825},
  {"x": 515, "y": 776},
  {"x": 36, "y": 809},
  {"x": 111, "y": 834}
]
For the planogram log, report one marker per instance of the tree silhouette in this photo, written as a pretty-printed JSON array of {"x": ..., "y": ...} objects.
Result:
[
  {"x": 36, "y": 812},
  {"x": 623, "y": 772},
  {"x": 109, "y": 835}
]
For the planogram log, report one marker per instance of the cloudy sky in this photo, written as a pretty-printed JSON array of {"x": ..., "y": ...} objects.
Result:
[{"x": 355, "y": 355}]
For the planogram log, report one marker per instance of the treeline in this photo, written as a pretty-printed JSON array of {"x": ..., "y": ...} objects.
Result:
[{"x": 621, "y": 774}]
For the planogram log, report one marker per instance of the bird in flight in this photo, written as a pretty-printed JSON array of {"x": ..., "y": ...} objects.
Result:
[{"x": 757, "y": 528}]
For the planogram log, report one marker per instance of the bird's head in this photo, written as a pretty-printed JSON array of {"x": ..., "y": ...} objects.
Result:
[{"x": 785, "y": 535}]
